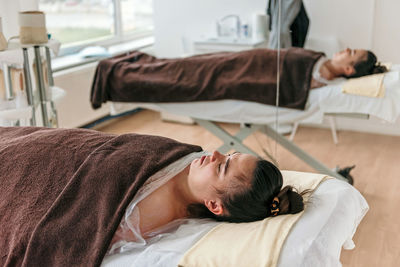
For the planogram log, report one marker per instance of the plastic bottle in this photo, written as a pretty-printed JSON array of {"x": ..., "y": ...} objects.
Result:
[{"x": 245, "y": 31}]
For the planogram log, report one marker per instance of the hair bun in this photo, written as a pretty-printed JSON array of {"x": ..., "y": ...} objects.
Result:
[
  {"x": 296, "y": 202},
  {"x": 378, "y": 68},
  {"x": 290, "y": 201}
]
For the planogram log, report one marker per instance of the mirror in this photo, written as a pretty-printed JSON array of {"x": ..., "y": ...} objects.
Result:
[{"x": 333, "y": 27}]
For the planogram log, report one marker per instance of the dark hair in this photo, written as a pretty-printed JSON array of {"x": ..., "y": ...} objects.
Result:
[
  {"x": 252, "y": 203},
  {"x": 367, "y": 67}
]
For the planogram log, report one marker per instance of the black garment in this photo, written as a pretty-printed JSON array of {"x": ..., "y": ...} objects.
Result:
[{"x": 299, "y": 27}]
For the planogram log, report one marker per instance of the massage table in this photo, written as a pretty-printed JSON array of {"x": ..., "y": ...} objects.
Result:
[
  {"x": 315, "y": 240},
  {"x": 87, "y": 200},
  {"x": 328, "y": 100}
]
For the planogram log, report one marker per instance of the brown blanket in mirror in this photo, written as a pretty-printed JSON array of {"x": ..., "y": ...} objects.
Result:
[
  {"x": 247, "y": 75},
  {"x": 64, "y": 191}
]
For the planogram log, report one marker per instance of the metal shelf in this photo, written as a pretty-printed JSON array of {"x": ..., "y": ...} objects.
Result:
[{"x": 38, "y": 100}]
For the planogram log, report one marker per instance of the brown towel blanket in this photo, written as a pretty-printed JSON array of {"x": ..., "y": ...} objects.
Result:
[
  {"x": 63, "y": 192},
  {"x": 248, "y": 75}
]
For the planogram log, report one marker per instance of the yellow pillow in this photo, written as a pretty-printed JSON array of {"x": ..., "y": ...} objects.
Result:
[
  {"x": 250, "y": 244},
  {"x": 370, "y": 85}
]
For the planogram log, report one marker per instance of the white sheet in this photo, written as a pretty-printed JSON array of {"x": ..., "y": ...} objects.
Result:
[
  {"x": 327, "y": 99},
  {"x": 330, "y": 99},
  {"x": 329, "y": 222}
]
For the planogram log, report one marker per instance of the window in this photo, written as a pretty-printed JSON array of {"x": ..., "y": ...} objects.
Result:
[{"x": 79, "y": 23}]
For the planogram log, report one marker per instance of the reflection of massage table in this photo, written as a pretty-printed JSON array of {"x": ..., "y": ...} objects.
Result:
[
  {"x": 315, "y": 240},
  {"x": 254, "y": 116}
]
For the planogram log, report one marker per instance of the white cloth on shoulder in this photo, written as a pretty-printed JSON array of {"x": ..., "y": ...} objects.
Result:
[{"x": 130, "y": 221}]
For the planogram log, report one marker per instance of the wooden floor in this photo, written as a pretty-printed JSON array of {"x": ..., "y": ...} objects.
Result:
[{"x": 377, "y": 174}]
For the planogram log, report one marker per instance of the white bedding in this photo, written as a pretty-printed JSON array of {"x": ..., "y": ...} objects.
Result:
[
  {"x": 327, "y": 99},
  {"x": 328, "y": 223}
]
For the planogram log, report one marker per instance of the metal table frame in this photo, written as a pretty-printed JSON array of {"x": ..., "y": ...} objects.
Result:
[{"x": 235, "y": 142}]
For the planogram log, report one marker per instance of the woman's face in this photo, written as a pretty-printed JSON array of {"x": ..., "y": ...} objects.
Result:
[
  {"x": 349, "y": 57},
  {"x": 222, "y": 172}
]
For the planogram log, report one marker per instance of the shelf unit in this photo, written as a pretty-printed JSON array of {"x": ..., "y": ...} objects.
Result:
[{"x": 40, "y": 97}]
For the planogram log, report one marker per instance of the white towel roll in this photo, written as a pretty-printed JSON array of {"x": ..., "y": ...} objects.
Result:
[
  {"x": 3, "y": 41},
  {"x": 32, "y": 27},
  {"x": 260, "y": 27}
]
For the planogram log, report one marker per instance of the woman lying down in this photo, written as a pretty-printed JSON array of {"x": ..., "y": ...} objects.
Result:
[
  {"x": 235, "y": 188},
  {"x": 249, "y": 75},
  {"x": 64, "y": 192}
]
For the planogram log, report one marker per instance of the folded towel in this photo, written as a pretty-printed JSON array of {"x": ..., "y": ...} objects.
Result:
[{"x": 371, "y": 85}]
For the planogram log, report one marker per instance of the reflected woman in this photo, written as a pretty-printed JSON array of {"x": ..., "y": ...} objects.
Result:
[
  {"x": 348, "y": 63},
  {"x": 248, "y": 75}
]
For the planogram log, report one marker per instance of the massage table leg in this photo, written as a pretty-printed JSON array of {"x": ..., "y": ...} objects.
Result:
[
  {"x": 332, "y": 123},
  {"x": 295, "y": 126},
  {"x": 230, "y": 142},
  {"x": 301, "y": 154}
]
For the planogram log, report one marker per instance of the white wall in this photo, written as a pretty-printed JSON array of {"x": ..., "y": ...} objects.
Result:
[
  {"x": 9, "y": 12},
  {"x": 177, "y": 20},
  {"x": 369, "y": 24},
  {"x": 342, "y": 19},
  {"x": 386, "y": 33}
]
